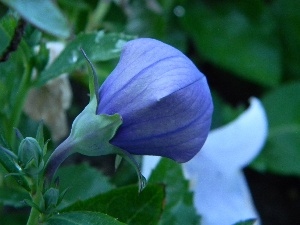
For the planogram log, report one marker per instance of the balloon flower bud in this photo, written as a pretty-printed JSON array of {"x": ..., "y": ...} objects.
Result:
[
  {"x": 163, "y": 99},
  {"x": 155, "y": 102}
]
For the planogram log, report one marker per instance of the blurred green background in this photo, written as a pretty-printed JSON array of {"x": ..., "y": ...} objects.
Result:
[{"x": 245, "y": 48}]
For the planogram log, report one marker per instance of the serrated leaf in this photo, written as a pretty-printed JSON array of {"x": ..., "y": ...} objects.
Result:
[
  {"x": 127, "y": 204},
  {"x": 179, "y": 207},
  {"x": 82, "y": 218},
  {"x": 83, "y": 181},
  {"x": 98, "y": 46},
  {"x": 282, "y": 151},
  {"x": 228, "y": 37},
  {"x": 43, "y": 14}
]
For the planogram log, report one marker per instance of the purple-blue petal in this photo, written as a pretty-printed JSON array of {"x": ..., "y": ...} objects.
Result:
[{"x": 164, "y": 101}]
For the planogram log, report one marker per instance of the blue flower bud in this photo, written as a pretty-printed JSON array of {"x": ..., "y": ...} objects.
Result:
[{"x": 163, "y": 99}]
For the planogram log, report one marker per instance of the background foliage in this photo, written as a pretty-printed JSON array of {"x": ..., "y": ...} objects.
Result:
[{"x": 245, "y": 48}]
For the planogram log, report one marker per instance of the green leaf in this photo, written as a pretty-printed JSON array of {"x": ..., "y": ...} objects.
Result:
[
  {"x": 7, "y": 96},
  {"x": 246, "y": 222},
  {"x": 179, "y": 208},
  {"x": 83, "y": 181},
  {"x": 82, "y": 218},
  {"x": 98, "y": 47},
  {"x": 15, "y": 218},
  {"x": 282, "y": 151},
  {"x": 10, "y": 196},
  {"x": 127, "y": 204},
  {"x": 14, "y": 65},
  {"x": 10, "y": 165},
  {"x": 157, "y": 21},
  {"x": 43, "y": 14},
  {"x": 229, "y": 37},
  {"x": 288, "y": 19},
  {"x": 8, "y": 23},
  {"x": 14, "y": 72}
]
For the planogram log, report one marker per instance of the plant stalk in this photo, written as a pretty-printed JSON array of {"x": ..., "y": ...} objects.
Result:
[
  {"x": 14, "y": 118},
  {"x": 37, "y": 198},
  {"x": 98, "y": 14}
]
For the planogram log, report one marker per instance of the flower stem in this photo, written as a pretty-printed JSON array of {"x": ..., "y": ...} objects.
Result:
[
  {"x": 17, "y": 108},
  {"x": 37, "y": 199},
  {"x": 97, "y": 16},
  {"x": 62, "y": 151}
]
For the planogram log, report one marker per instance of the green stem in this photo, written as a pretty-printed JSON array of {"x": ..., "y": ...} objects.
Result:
[
  {"x": 63, "y": 151},
  {"x": 37, "y": 199},
  {"x": 97, "y": 16},
  {"x": 17, "y": 108}
]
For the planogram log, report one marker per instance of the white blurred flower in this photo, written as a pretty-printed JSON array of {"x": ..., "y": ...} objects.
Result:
[
  {"x": 50, "y": 102},
  {"x": 221, "y": 193}
]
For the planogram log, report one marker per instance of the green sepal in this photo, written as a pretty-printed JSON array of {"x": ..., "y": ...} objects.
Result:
[
  {"x": 118, "y": 161},
  {"x": 30, "y": 153},
  {"x": 12, "y": 167},
  {"x": 40, "y": 138},
  {"x": 18, "y": 133},
  {"x": 9, "y": 153},
  {"x": 93, "y": 79},
  {"x": 33, "y": 205},
  {"x": 91, "y": 133},
  {"x": 30, "y": 157},
  {"x": 40, "y": 135},
  {"x": 51, "y": 199},
  {"x": 62, "y": 195},
  {"x": 129, "y": 158}
]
